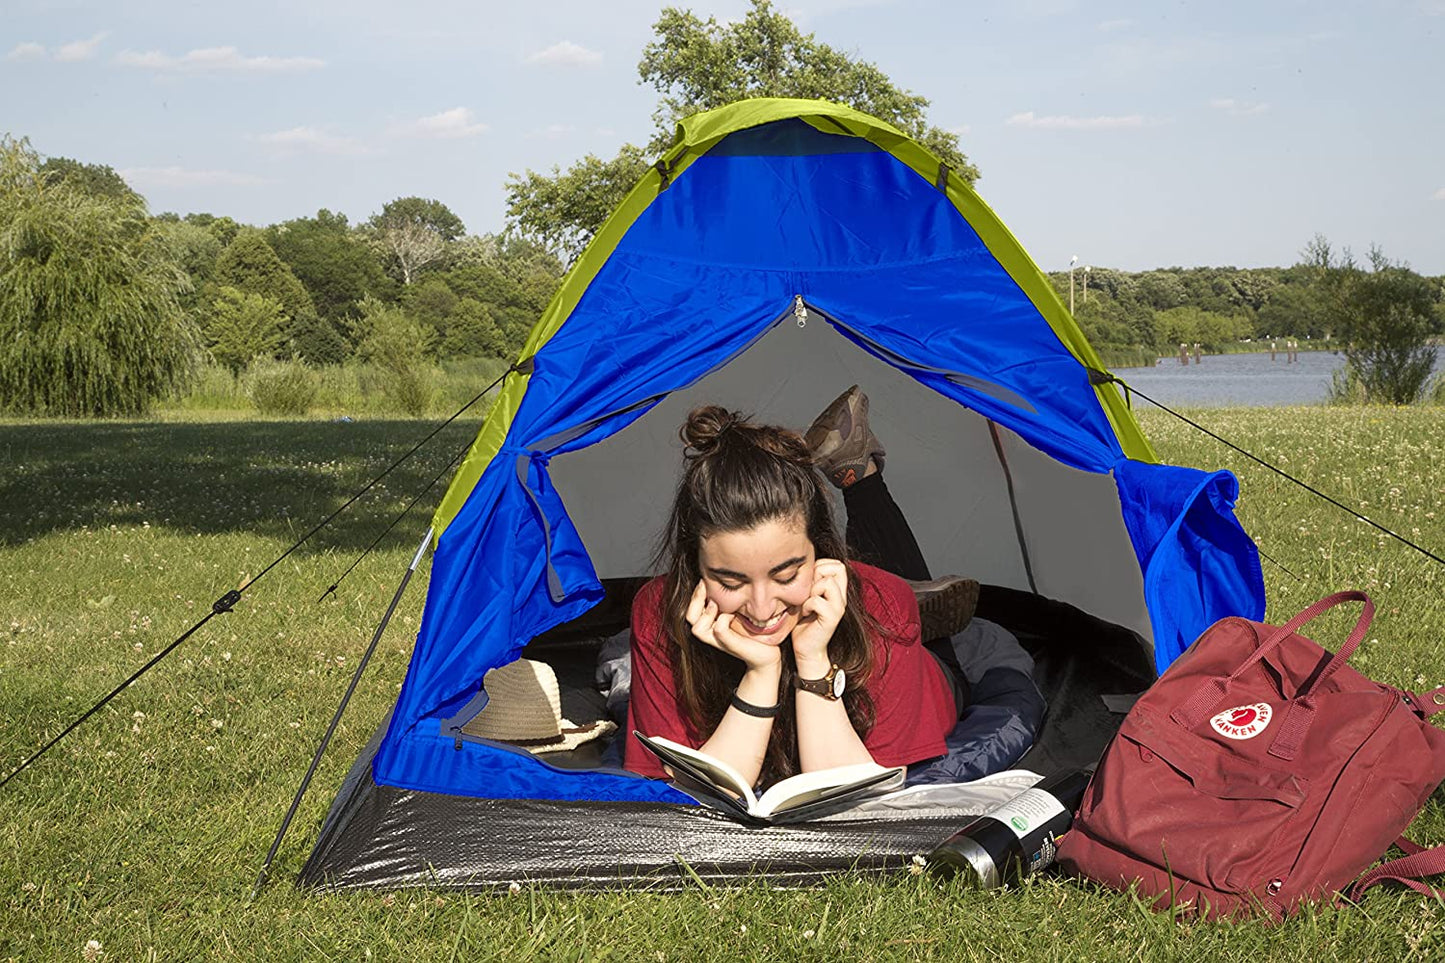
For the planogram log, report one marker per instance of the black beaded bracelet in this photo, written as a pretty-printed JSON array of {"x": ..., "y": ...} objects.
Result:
[{"x": 762, "y": 712}]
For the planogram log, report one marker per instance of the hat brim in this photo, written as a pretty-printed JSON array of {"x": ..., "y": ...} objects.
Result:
[{"x": 571, "y": 737}]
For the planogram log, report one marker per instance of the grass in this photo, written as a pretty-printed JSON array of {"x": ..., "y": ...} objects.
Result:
[
  {"x": 350, "y": 390},
  {"x": 145, "y": 829}
]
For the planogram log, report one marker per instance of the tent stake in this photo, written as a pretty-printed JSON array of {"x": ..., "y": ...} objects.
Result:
[{"x": 336, "y": 719}]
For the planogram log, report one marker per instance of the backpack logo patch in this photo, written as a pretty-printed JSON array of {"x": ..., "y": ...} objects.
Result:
[{"x": 1243, "y": 722}]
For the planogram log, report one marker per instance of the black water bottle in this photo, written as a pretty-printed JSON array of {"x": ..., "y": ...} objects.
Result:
[{"x": 1015, "y": 839}]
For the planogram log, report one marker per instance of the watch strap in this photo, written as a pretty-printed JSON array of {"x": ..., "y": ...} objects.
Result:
[{"x": 820, "y": 687}]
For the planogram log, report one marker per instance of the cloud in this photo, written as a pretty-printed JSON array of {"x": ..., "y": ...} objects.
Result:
[
  {"x": 216, "y": 59},
  {"x": 958, "y": 130},
  {"x": 447, "y": 125},
  {"x": 79, "y": 49},
  {"x": 26, "y": 51},
  {"x": 180, "y": 177},
  {"x": 1109, "y": 26},
  {"x": 309, "y": 139},
  {"x": 1029, "y": 119},
  {"x": 1432, "y": 8},
  {"x": 1238, "y": 108},
  {"x": 1438, "y": 195},
  {"x": 552, "y": 131},
  {"x": 565, "y": 54}
]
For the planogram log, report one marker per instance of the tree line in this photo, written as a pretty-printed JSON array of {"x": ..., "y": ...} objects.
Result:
[
  {"x": 104, "y": 308},
  {"x": 1381, "y": 315}
]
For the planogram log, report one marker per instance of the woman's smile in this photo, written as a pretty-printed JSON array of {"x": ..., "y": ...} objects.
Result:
[
  {"x": 771, "y": 632},
  {"x": 760, "y": 576}
]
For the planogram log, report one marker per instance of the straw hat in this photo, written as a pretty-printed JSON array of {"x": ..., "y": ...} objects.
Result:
[{"x": 524, "y": 707}]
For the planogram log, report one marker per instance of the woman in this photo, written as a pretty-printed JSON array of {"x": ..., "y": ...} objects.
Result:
[{"x": 763, "y": 644}]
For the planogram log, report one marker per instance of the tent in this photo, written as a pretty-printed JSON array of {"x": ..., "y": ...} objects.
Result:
[{"x": 779, "y": 251}]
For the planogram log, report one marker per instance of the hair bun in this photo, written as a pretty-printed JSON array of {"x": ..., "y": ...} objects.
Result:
[{"x": 705, "y": 426}]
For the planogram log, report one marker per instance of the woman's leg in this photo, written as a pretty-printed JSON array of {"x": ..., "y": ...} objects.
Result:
[{"x": 878, "y": 533}]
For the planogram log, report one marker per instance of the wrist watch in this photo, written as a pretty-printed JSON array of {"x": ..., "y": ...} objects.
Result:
[{"x": 830, "y": 687}]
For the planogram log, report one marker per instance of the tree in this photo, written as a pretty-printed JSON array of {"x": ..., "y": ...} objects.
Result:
[
  {"x": 699, "y": 64},
  {"x": 97, "y": 180},
  {"x": 242, "y": 327},
  {"x": 415, "y": 232},
  {"x": 1384, "y": 316},
  {"x": 90, "y": 322},
  {"x": 334, "y": 263},
  {"x": 471, "y": 333},
  {"x": 1294, "y": 309},
  {"x": 248, "y": 264},
  {"x": 223, "y": 228},
  {"x": 397, "y": 344},
  {"x": 390, "y": 337},
  {"x": 195, "y": 249},
  {"x": 513, "y": 278},
  {"x": 562, "y": 210}
]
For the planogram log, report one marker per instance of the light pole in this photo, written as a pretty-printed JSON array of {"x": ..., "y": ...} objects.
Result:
[
  {"x": 1087, "y": 269},
  {"x": 1072, "y": 261}
]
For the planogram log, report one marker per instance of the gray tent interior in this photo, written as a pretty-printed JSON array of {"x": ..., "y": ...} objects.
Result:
[{"x": 942, "y": 467}]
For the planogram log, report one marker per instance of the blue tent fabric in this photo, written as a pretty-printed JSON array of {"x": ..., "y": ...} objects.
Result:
[
  {"x": 1199, "y": 565},
  {"x": 716, "y": 260}
]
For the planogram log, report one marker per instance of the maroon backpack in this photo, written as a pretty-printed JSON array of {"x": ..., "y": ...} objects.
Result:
[{"x": 1259, "y": 772}]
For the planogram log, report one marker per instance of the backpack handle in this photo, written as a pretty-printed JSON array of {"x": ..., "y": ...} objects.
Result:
[
  {"x": 1417, "y": 861},
  {"x": 1297, "y": 719}
]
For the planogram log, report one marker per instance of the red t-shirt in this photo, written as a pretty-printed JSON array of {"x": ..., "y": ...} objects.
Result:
[{"x": 912, "y": 700}]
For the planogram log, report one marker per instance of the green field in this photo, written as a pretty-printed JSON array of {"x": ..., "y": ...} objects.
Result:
[{"x": 145, "y": 829}]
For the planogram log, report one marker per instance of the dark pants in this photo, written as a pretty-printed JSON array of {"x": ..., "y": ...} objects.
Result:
[{"x": 878, "y": 534}]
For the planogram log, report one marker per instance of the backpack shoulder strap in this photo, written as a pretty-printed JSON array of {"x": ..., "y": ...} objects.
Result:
[{"x": 1406, "y": 870}]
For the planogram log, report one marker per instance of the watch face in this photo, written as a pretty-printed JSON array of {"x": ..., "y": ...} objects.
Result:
[{"x": 840, "y": 682}]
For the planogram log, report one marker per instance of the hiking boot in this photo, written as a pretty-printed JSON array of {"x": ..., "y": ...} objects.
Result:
[
  {"x": 945, "y": 605},
  {"x": 841, "y": 441}
]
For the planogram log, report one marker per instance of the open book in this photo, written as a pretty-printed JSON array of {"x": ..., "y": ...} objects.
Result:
[{"x": 807, "y": 795}]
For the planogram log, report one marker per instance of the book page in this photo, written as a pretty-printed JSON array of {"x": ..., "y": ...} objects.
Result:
[
  {"x": 808, "y": 787},
  {"x": 701, "y": 766}
]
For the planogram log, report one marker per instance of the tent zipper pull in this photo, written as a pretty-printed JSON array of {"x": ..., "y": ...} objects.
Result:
[{"x": 800, "y": 311}]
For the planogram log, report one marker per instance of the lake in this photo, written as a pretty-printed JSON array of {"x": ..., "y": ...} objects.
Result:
[{"x": 1239, "y": 379}]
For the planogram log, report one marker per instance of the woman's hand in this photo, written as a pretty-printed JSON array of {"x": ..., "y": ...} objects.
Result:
[
  {"x": 715, "y": 630},
  {"x": 820, "y": 615}
]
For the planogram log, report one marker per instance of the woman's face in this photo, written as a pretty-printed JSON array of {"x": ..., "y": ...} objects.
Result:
[{"x": 761, "y": 576}]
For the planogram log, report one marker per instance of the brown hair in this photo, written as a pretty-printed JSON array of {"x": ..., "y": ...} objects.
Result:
[{"x": 738, "y": 475}]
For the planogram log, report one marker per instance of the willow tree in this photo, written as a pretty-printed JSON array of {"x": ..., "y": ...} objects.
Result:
[{"x": 90, "y": 323}]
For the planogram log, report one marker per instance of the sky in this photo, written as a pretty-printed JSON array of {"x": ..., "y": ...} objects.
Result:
[{"x": 1131, "y": 135}]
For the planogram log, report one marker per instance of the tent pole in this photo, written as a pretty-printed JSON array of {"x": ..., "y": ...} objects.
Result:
[
  {"x": 1008, "y": 477},
  {"x": 336, "y": 719}
]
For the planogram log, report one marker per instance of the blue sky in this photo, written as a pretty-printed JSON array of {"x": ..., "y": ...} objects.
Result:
[{"x": 1134, "y": 135}]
